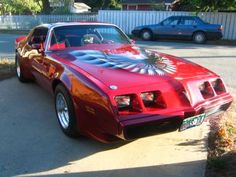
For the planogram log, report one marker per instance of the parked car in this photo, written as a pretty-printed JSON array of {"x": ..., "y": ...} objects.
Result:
[
  {"x": 180, "y": 27},
  {"x": 107, "y": 88}
]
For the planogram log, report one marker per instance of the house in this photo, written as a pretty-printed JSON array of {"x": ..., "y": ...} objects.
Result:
[
  {"x": 74, "y": 6},
  {"x": 147, "y": 4},
  {"x": 79, "y": 7}
]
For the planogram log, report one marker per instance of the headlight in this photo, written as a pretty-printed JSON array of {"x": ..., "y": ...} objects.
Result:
[
  {"x": 128, "y": 104},
  {"x": 218, "y": 86},
  {"x": 206, "y": 90},
  {"x": 123, "y": 101},
  {"x": 147, "y": 96},
  {"x": 153, "y": 99}
]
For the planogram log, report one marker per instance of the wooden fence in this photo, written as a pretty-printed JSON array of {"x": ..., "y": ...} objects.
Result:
[{"x": 127, "y": 20}]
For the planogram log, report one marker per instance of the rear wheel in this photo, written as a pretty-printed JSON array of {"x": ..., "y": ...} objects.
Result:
[
  {"x": 65, "y": 111},
  {"x": 19, "y": 73},
  {"x": 147, "y": 35},
  {"x": 199, "y": 38}
]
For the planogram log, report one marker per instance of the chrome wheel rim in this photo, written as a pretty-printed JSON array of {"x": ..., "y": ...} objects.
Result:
[
  {"x": 18, "y": 71},
  {"x": 199, "y": 38},
  {"x": 146, "y": 35},
  {"x": 62, "y": 110}
]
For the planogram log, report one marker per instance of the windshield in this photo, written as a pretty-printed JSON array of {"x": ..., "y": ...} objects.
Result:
[{"x": 82, "y": 35}]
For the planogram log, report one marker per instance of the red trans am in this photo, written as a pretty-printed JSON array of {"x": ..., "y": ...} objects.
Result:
[{"x": 107, "y": 88}]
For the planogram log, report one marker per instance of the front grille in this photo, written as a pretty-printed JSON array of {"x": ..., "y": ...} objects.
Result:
[{"x": 152, "y": 128}]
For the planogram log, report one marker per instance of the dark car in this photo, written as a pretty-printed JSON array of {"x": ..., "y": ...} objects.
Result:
[{"x": 180, "y": 27}]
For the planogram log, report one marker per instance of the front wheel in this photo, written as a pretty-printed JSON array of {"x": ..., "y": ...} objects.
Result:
[
  {"x": 199, "y": 38},
  {"x": 147, "y": 35},
  {"x": 19, "y": 73},
  {"x": 65, "y": 111}
]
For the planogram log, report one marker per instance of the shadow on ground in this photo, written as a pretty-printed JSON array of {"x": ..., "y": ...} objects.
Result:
[
  {"x": 32, "y": 142},
  {"x": 169, "y": 170}
]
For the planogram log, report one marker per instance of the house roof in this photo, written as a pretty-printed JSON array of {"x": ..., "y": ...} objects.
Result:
[
  {"x": 80, "y": 5},
  {"x": 145, "y": 1}
]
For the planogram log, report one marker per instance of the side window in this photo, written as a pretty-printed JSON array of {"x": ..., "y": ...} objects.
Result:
[
  {"x": 39, "y": 36},
  {"x": 170, "y": 21},
  {"x": 187, "y": 21}
]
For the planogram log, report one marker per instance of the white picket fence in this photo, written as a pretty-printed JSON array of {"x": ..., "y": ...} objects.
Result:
[
  {"x": 26, "y": 22},
  {"x": 127, "y": 20}
]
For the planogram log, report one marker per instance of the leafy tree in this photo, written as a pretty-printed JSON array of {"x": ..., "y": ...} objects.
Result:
[
  {"x": 65, "y": 9},
  {"x": 206, "y": 5},
  {"x": 20, "y": 6},
  {"x": 46, "y": 9}
]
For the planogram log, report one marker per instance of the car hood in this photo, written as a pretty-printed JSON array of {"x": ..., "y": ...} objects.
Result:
[{"x": 129, "y": 65}]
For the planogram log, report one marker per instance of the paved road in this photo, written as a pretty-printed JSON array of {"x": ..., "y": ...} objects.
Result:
[
  {"x": 7, "y": 44},
  {"x": 31, "y": 142}
]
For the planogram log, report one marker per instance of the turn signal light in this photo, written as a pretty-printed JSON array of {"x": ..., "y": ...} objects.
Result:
[{"x": 221, "y": 28}]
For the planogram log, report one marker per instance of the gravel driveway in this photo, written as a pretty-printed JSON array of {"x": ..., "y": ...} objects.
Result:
[{"x": 31, "y": 143}]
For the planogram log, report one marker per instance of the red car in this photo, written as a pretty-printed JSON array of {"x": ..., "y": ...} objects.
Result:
[{"x": 107, "y": 88}]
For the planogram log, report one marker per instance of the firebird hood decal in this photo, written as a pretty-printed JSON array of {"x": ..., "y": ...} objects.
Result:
[{"x": 145, "y": 62}]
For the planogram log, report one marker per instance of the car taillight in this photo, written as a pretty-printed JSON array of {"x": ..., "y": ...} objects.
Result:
[
  {"x": 206, "y": 90},
  {"x": 127, "y": 104},
  {"x": 218, "y": 86}
]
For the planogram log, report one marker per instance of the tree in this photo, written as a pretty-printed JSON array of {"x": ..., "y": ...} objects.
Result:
[
  {"x": 206, "y": 5},
  {"x": 64, "y": 9},
  {"x": 20, "y": 6},
  {"x": 46, "y": 9}
]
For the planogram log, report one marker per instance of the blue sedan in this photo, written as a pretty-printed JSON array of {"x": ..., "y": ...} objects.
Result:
[{"x": 180, "y": 27}]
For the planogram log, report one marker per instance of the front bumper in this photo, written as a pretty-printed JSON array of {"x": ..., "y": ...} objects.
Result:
[
  {"x": 154, "y": 124},
  {"x": 214, "y": 35}
]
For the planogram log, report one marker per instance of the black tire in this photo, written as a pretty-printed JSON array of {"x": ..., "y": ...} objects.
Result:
[
  {"x": 71, "y": 130},
  {"x": 19, "y": 73},
  {"x": 199, "y": 37},
  {"x": 146, "y": 35}
]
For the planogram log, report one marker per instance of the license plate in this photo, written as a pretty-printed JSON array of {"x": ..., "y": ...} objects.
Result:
[{"x": 192, "y": 122}]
